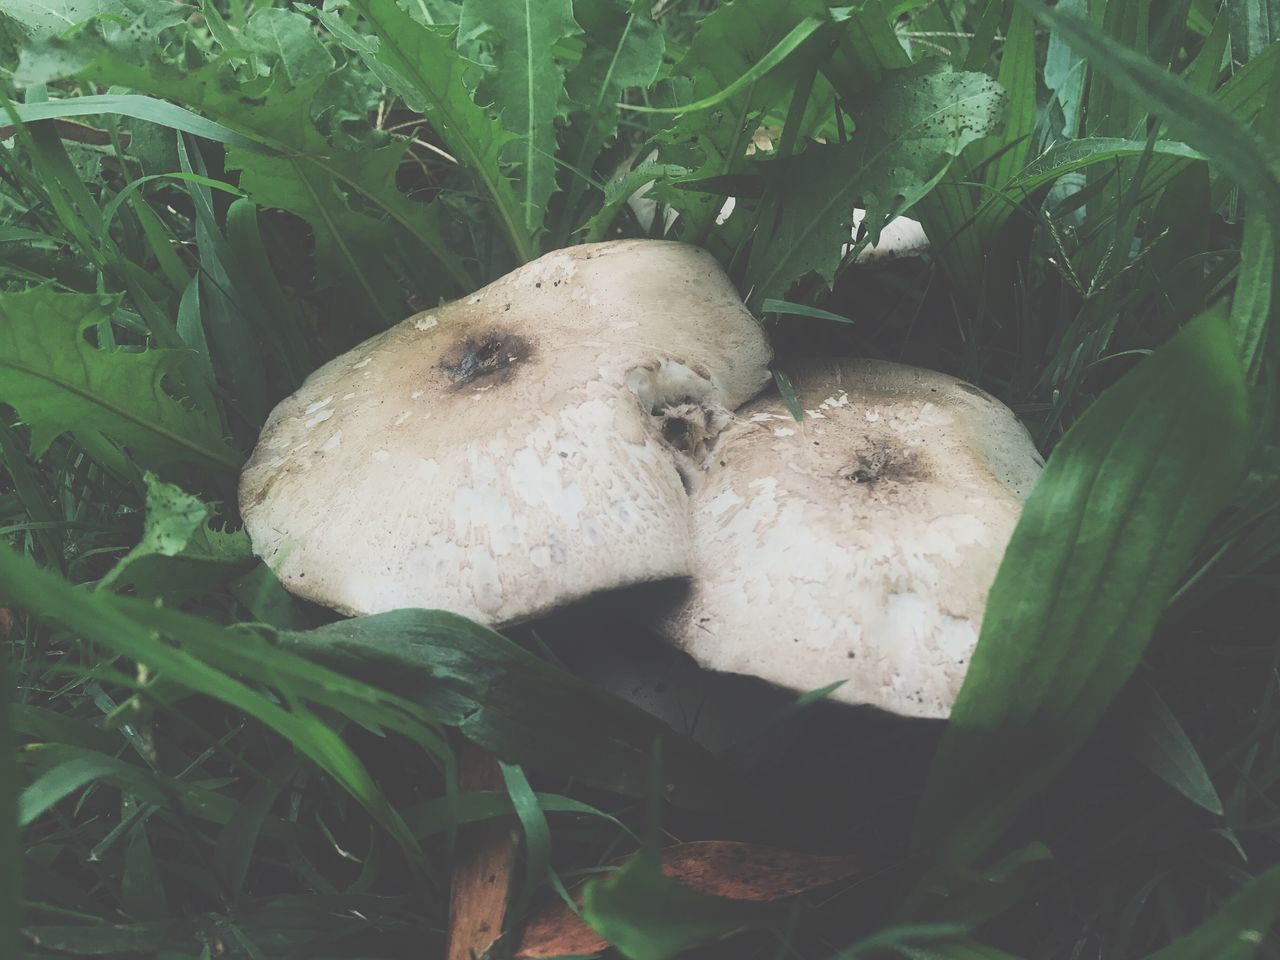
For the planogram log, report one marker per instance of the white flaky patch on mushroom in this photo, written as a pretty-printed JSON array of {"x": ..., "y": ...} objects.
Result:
[
  {"x": 512, "y": 451},
  {"x": 860, "y": 544}
]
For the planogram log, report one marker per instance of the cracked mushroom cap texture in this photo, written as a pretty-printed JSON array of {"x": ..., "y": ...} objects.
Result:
[
  {"x": 859, "y": 544},
  {"x": 514, "y": 450}
]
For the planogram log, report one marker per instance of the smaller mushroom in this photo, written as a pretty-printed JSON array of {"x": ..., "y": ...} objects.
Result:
[{"x": 859, "y": 544}]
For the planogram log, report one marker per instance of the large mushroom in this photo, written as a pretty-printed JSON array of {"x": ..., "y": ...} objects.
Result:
[
  {"x": 514, "y": 451},
  {"x": 859, "y": 544}
]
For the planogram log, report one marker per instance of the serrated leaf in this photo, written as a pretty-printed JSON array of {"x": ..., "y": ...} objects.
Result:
[
  {"x": 288, "y": 38},
  {"x": 1103, "y": 538},
  {"x": 908, "y": 129},
  {"x": 527, "y": 87},
  {"x": 58, "y": 381},
  {"x": 179, "y": 555},
  {"x": 421, "y": 65}
]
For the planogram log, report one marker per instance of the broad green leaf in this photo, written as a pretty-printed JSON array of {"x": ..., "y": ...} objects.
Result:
[
  {"x": 420, "y": 64},
  {"x": 521, "y": 708},
  {"x": 959, "y": 950},
  {"x": 58, "y": 381},
  {"x": 180, "y": 555},
  {"x": 1237, "y": 930},
  {"x": 287, "y": 38},
  {"x": 647, "y": 916},
  {"x": 1162, "y": 746},
  {"x": 907, "y": 131},
  {"x": 1107, "y": 531},
  {"x": 726, "y": 47},
  {"x": 527, "y": 87}
]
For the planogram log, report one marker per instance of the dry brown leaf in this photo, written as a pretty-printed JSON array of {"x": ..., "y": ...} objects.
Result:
[
  {"x": 726, "y": 868},
  {"x": 483, "y": 859}
]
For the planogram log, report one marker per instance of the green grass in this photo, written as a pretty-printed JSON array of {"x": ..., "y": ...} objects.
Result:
[{"x": 201, "y": 203}]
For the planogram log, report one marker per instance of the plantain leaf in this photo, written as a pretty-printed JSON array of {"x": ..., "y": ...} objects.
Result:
[
  {"x": 1103, "y": 538},
  {"x": 507, "y": 700},
  {"x": 58, "y": 381},
  {"x": 527, "y": 87}
]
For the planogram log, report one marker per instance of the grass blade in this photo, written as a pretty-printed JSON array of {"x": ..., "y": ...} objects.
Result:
[
  {"x": 10, "y": 855},
  {"x": 1190, "y": 114}
]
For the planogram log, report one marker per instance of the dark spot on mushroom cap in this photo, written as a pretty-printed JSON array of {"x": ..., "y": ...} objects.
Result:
[
  {"x": 885, "y": 462},
  {"x": 492, "y": 357}
]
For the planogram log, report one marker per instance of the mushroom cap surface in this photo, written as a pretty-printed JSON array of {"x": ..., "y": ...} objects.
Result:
[
  {"x": 858, "y": 545},
  {"x": 514, "y": 450}
]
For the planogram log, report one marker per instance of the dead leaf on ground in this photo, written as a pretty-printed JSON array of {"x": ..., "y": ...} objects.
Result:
[{"x": 725, "y": 868}]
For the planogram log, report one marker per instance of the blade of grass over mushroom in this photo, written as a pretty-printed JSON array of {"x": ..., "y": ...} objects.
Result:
[
  {"x": 58, "y": 381},
  {"x": 1102, "y": 541},
  {"x": 1236, "y": 931},
  {"x": 800, "y": 310},
  {"x": 1190, "y": 114},
  {"x": 521, "y": 708}
]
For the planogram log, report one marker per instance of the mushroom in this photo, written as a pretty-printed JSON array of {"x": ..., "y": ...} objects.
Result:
[
  {"x": 859, "y": 544},
  {"x": 514, "y": 451}
]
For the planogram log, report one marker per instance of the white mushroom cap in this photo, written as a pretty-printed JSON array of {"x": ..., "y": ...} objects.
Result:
[
  {"x": 512, "y": 451},
  {"x": 858, "y": 545}
]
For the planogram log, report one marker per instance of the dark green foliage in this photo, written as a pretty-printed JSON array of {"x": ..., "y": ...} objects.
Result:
[{"x": 202, "y": 202}]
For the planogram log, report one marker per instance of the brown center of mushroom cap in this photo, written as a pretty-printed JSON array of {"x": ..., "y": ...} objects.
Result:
[{"x": 489, "y": 357}]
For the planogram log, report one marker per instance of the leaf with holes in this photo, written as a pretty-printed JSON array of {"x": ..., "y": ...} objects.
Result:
[{"x": 58, "y": 382}]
